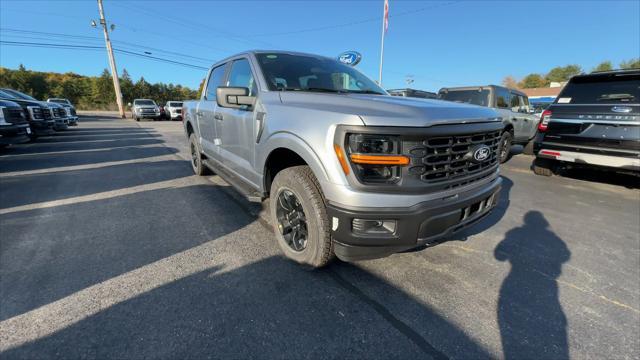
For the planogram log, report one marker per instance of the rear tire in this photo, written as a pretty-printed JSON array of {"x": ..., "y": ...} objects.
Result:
[
  {"x": 543, "y": 167},
  {"x": 299, "y": 217},
  {"x": 196, "y": 156},
  {"x": 506, "y": 140}
]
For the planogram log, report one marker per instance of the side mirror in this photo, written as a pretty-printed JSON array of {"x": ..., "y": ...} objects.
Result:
[{"x": 234, "y": 97}]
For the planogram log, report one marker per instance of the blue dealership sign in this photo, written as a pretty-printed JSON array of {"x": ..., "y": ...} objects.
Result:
[{"x": 351, "y": 58}]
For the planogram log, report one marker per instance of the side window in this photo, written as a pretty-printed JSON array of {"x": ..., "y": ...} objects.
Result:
[
  {"x": 502, "y": 98},
  {"x": 215, "y": 80},
  {"x": 524, "y": 104},
  {"x": 515, "y": 102},
  {"x": 241, "y": 76}
]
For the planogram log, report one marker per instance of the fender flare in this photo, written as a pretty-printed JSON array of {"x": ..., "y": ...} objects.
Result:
[{"x": 291, "y": 141}]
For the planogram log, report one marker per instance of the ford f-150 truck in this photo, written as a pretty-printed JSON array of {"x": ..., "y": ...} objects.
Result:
[{"x": 348, "y": 170}]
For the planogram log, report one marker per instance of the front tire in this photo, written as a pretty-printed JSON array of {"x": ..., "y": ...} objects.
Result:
[
  {"x": 299, "y": 217},
  {"x": 506, "y": 140},
  {"x": 196, "y": 156}
]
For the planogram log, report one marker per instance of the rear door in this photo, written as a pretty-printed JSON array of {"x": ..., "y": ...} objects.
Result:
[
  {"x": 206, "y": 111},
  {"x": 237, "y": 127},
  {"x": 520, "y": 116}
]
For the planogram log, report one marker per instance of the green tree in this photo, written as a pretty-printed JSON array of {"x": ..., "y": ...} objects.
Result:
[
  {"x": 563, "y": 73},
  {"x": 126, "y": 87},
  {"x": 533, "y": 81},
  {"x": 604, "y": 66},
  {"x": 102, "y": 90},
  {"x": 630, "y": 64}
]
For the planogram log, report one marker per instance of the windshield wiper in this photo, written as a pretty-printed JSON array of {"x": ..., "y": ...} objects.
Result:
[
  {"x": 616, "y": 97},
  {"x": 317, "y": 89},
  {"x": 365, "y": 92}
]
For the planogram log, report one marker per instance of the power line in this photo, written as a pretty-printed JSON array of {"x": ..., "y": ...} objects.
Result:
[
  {"x": 89, "y": 47},
  {"x": 91, "y": 38}
]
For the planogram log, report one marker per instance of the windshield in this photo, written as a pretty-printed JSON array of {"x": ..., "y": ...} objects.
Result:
[
  {"x": 19, "y": 95},
  {"x": 175, "y": 104},
  {"x": 602, "y": 89},
  {"x": 144, "y": 102},
  {"x": 59, "y": 101},
  {"x": 313, "y": 73},
  {"x": 476, "y": 97}
]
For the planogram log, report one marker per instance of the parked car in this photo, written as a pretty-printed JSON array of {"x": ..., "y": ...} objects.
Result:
[
  {"x": 14, "y": 127},
  {"x": 38, "y": 114},
  {"x": 174, "y": 110},
  {"x": 594, "y": 122},
  {"x": 144, "y": 109},
  {"x": 348, "y": 169},
  {"x": 58, "y": 113},
  {"x": 71, "y": 110},
  {"x": 413, "y": 93},
  {"x": 512, "y": 105}
]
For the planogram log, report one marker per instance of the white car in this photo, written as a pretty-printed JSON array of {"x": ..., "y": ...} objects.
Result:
[{"x": 173, "y": 110}]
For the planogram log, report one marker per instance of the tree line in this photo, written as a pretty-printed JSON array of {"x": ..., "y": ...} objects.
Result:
[
  {"x": 562, "y": 73},
  {"x": 89, "y": 92}
]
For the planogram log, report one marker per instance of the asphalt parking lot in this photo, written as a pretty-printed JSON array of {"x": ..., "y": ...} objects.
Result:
[{"x": 111, "y": 248}]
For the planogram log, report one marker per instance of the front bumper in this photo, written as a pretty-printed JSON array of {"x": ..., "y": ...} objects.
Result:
[
  {"x": 61, "y": 124},
  {"x": 148, "y": 115},
  {"x": 14, "y": 134},
  {"x": 422, "y": 224},
  {"x": 73, "y": 120},
  {"x": 42, "y": 127}
]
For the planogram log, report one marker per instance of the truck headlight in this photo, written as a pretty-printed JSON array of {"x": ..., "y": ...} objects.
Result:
[
  {"x": 376, "y": 158},
  {"x": 2, "y": 116}
]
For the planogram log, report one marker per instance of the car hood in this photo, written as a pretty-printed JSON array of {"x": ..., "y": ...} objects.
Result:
[
  {"x": 384, "y": 110},
  {"x": 26, "y": 102}
]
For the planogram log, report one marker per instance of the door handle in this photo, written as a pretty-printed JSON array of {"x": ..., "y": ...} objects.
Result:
[{"x": 218, "y": 117}]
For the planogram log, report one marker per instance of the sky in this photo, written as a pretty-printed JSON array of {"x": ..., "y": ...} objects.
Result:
[{"x": 435, "y": 43}]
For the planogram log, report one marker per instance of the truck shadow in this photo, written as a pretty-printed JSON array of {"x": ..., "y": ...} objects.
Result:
[
  {"x": 532, "y": 322},
  {"x": 270, "y": 308}
]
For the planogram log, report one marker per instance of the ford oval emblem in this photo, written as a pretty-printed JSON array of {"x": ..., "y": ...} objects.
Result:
[
  {"x": 481, "y": 153},
  {"x": 621, "y": 109},
  {"x": 351, "y": 58}
]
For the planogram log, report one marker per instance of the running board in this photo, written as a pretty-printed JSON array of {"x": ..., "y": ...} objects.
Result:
[{"x": 240, "y": 185}]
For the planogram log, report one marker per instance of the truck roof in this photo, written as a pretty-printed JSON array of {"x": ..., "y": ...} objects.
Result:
[{"x": 255, "y": 52}]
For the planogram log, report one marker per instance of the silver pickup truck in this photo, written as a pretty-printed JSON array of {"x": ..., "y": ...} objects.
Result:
[{"x": 347, "y": 169}]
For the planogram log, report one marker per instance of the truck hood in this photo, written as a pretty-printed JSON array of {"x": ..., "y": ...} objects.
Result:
[{"x": 384, "y": 110}]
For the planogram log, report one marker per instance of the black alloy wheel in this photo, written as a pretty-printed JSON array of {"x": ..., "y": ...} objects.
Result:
[{"x": 292, "y": 222}]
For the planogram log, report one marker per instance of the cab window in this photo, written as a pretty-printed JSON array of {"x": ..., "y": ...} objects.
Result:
[
  {"x": 215, "y": 79},
  {"x": 502, "y": 98},
  {"x": 241, "y": 76}
]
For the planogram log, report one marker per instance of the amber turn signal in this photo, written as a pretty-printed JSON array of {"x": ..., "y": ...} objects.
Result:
[
  {"x": 341, "y": 158},
  {"x": 380, "y": 159}
]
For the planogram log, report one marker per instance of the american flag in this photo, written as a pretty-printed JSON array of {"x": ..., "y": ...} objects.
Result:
[{"x": 386, "y": 15}]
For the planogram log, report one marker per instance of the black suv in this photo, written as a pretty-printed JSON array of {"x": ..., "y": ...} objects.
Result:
[
  {"x": 14, "y": 128},
  {"x": 594, "y": 122}
]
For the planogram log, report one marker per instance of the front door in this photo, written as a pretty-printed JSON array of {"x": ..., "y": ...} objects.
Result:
[
  {"x": 236, "y": 127},
  {"x": 206, "y": 112}
]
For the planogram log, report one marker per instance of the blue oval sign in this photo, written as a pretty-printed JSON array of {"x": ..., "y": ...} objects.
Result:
[{"x": 351, "y": 58}]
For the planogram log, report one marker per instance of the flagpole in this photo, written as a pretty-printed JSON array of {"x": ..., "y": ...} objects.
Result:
[{"x": 382, "y": 46}]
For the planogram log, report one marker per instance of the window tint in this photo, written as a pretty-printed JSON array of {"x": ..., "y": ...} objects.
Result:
[
  {"x": 502, "y": 98},
  {"x": 476, "y": 97},
  {"x": 215, "y": 80},
  {"x": 515, "y": 102},
  {"x": 602, "y": 89},
  {"x": 240, "y": 76}
]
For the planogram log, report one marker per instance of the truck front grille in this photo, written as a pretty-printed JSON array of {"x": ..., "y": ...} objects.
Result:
[
  {"x": 59, "y": 113},
  {"x": 448, "y": 160},
  {"x": 47, "y": 114},
  {"x": 15, "y": 116}
]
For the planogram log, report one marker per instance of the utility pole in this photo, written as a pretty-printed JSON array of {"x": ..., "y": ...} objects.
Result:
[{"x": 112, "y": 61}]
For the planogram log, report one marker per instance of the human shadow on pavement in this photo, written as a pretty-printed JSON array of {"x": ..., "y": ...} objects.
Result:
[
  {"x": 269, "y": 308},
  {"x": 532, "y": 322}
]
